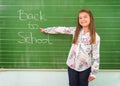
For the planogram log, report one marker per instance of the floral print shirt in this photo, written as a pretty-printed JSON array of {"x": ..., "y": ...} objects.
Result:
[{"x": 82, "y": 55}]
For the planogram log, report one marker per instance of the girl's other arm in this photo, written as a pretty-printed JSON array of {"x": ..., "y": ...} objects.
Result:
[
  {"x": 58, "y": 30},
  {"x": 95, "y": 58}
]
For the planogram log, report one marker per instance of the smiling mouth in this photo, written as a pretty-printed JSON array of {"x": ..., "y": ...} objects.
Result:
[{"x": 83, "y": 22}]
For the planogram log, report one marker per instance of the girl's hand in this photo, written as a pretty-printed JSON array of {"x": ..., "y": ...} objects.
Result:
[
  {"x": 90, "y": 78},
  {"x": 41, "y": 30}
]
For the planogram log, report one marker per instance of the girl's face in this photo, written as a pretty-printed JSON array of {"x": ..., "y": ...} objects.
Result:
[{"x": 84, "y": 19}]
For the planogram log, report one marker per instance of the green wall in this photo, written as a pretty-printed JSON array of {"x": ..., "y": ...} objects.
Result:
[{"x": 22, "y": 45}]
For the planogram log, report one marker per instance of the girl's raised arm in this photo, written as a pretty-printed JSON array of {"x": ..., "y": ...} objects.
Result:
[{"x": 58, "y": 30}]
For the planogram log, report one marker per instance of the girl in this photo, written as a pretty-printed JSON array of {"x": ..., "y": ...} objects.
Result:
[{"x": 83, "y": 58}]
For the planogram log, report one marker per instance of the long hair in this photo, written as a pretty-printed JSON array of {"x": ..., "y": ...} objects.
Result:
[{"x": 91, "y": 27}]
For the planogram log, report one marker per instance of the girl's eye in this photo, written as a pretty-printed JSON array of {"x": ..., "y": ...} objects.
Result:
[
  {"x": 80, "y": 18},
  {"x": 85, "y": 16}
]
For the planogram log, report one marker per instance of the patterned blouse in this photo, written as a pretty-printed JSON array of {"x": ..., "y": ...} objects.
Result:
[{"x": 83, "y": 54}]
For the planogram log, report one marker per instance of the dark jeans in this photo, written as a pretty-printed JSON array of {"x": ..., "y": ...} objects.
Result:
[{"x": 78, "y": 78}]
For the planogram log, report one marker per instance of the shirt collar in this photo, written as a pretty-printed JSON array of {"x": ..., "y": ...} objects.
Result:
[{"x": 82, "y": 31}]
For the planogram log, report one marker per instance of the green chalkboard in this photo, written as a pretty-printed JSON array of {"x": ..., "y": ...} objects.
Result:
[{"x": 23, "y": 46}]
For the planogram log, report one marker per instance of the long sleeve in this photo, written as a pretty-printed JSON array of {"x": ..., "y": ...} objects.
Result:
[
  {"x": 95, "y": 57},
  {"x": 60, "y": 30}
]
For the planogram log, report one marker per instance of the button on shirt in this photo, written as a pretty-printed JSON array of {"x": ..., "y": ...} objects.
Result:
[{"x": 82, "y": 55}]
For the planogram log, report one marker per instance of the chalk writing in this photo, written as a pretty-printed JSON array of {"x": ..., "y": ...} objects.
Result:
[
  {"x": 33, "y": 26},
  {"x": 27, "y": 38},
  {"x": 29, "y": 16}
]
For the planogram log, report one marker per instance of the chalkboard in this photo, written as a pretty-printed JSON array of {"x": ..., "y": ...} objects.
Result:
[{"x": 23, "y": 46}]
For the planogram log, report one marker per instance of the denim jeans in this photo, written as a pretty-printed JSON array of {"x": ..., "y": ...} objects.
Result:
[{"x": 78, "y": 78}]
